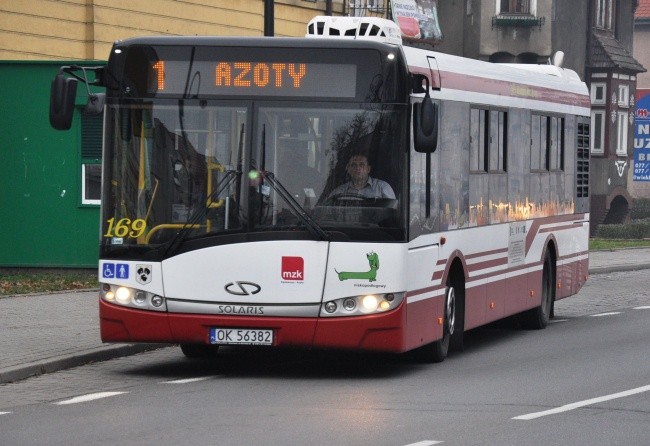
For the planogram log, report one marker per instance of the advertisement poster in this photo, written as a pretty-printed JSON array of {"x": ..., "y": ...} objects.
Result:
[
  {"x": 417, "y": 19},
  {"x": 641, "y": 158}
]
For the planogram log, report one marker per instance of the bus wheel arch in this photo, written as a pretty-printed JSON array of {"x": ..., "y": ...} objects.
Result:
[{"x": 453, "y": 319}]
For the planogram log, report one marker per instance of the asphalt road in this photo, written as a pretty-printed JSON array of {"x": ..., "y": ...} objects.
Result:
[{"x": 585, "y": 380}]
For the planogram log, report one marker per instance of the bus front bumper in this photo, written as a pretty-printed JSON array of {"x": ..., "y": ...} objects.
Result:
[{"x": 378, "y": 332}]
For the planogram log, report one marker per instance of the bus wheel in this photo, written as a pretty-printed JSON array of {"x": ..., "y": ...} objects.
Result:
[
  {"x": 538, "y": 318},
  {"x": 456, "y": 343},
  {"x": 437, "y": 350},
  {"x": 199, "y": 350}
]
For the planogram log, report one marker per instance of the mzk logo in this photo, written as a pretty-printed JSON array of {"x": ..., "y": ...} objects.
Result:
[
  {"x": 371, "y": 275},
  {"x": 293, "y": 268}
]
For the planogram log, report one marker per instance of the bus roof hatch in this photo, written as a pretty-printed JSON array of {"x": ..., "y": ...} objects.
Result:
[{"x": 361, "y": 28}]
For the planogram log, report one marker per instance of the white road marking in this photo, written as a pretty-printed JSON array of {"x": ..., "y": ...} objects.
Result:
[
  {"x": 187, "y": 380},
  {"x": 612, "y": 313},
  {"x": 89, "y": 397},
  {"x": 425, "y": 443},
  {"x": 644, "y": 307},
  {"x": 4, "y": 413},
  {"x": 568, "y": 407}
]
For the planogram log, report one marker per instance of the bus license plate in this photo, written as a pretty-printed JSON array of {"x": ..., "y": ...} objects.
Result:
[{"x": 241, "y": 336}]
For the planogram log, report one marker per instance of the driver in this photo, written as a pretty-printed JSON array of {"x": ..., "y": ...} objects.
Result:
[{"x": 361, "y": 183}]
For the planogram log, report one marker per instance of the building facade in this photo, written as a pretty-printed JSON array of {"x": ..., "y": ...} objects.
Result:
[
  {"x": 611, "y": 73},
  {"x": 86, "y": 29}
]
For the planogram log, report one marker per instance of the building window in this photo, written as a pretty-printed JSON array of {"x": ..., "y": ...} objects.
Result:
[
  {"x": 598, "y": 131},
  {"x": 360, "y": 8},
  {"x": 91, "y": 157},
  {"x": 623, "y": 96},
  {"x": 514, "y": 6},
  {"x": 91, "y": 183},
  {"x": 621, "y": 145},
  {"x": 517, "y": 13},
  {"x": 598, "y": 93},
  {"x": 604, "y": 14}
]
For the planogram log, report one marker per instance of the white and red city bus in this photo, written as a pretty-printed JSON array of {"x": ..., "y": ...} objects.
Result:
[{"x": 219, "y": 225}]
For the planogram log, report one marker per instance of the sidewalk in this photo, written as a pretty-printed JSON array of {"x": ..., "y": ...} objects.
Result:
[
  {"x": 43, "y": 333},
  {"x": 603, "y": 262},
  {"x": 49, "y": 332}
]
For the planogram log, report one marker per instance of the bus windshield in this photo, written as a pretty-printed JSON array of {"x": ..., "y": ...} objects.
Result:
[{"x": 179, "y": 170}]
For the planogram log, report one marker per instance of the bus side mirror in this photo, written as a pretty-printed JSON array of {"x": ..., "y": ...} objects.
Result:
[
  {"x": 62, "y": 97},
  {"x": 425, "y": 126}
]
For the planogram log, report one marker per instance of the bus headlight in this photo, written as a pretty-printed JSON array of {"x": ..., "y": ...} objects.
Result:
[
  {"x": 360, "y": 305},
  {"x": 123, "y": 295},
  {"x": 369, "y": 303},
  {"x": 131, "y": 297},
  {"x": 330, "y": 307},
  {"x": 140, "y": 297}
]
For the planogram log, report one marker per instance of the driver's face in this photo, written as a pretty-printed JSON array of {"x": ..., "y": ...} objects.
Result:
[{"x": 358, "y": 169}]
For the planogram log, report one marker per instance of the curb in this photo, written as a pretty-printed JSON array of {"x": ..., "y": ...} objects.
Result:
[
  {"x": 58, "y": 363},
  {"x": 618, "y": 268}
]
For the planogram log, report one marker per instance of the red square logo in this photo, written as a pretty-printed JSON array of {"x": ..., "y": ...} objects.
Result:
[{"x": 293, "y": 268}]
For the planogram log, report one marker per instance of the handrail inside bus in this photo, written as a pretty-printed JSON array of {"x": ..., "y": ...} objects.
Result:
[{"x": 169, "y": 226}]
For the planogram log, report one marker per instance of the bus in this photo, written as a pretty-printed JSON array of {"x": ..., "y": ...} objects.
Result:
[{"x": 219, "y": 225}]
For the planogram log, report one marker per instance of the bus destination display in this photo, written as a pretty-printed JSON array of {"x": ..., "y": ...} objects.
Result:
[{"x": 258, "y": 78}]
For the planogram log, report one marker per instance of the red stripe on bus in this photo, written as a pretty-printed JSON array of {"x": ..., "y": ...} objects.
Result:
[
  {"x": 534, "y": 228},
  {"x": 478, "y": 84},
  {"x": 486, "y": 253},
  {"x": 570, "y": 258},
  {"x": 473, "y": 267}
]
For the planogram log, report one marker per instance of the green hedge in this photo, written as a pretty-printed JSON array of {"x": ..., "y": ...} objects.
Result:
[
  {"x": 638, "y": 229},
  {"x": 641, "y": 209}
]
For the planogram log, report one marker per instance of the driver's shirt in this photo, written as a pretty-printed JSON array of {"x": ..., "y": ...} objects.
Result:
[{"x": 374, "y": 188}]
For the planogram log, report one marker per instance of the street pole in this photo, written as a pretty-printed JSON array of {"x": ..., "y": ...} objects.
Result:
[{"x": 269, "y": 18}]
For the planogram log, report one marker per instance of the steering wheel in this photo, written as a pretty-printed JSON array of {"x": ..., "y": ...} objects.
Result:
[{"x": 349, "y": 197}]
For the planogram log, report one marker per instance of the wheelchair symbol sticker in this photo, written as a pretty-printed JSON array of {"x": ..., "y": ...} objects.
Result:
[{"x": 115, "y": 271}]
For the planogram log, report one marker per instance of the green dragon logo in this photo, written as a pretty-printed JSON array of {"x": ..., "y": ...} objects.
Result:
[{"x": 371, "y": 275}]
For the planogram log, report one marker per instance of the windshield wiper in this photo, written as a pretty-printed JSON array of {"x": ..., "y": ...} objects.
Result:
[
  {"x": 198, "y": 215},
  {"x": 313, "y": 227}
]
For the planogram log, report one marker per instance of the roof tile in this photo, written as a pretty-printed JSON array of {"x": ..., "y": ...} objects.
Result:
[
  {"x": 607, "y": 52},
  {"x": 643, "y": 10}
]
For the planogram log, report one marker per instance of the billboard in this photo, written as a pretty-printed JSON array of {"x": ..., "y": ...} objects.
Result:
[
  {"x": 641, "y": 158},
  {"x": 417, "y": 19}
]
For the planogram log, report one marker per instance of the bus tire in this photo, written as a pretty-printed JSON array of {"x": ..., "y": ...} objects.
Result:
[
  {"x": 537, "y": 318},
  {"x": 457, "y": 338},
  {"x": 199, "y": 350},
  {"x": 437, "y": 351}
]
